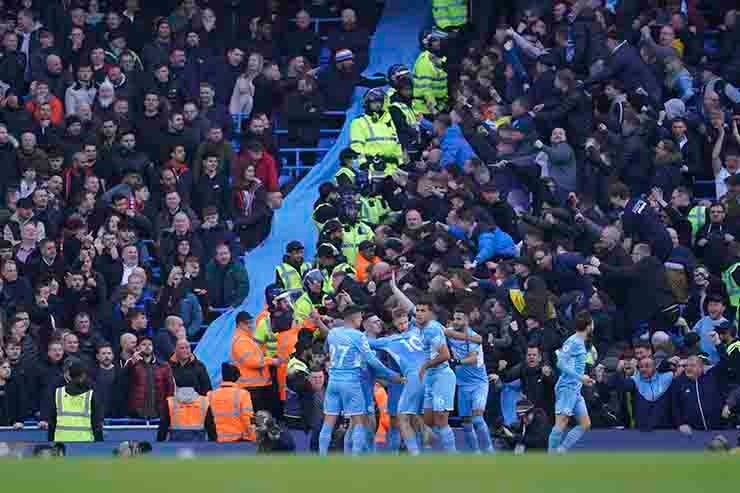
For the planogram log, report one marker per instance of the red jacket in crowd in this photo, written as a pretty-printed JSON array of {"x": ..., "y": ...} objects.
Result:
[{"x": 141, "y": 378}]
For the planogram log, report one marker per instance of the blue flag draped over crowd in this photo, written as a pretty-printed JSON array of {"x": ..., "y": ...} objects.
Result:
[{"x": 396, "y": 40}]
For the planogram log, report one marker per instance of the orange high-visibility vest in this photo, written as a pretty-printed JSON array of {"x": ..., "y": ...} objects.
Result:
[
  {"x": 286, "y": 341},
  {"x": 232, "y": 412},
  {"x": 247, "y": 355},
  {"x": 187, "y": 416},
  {"x": 384, "y": 419},
  {"x": 361, "y": 266}
]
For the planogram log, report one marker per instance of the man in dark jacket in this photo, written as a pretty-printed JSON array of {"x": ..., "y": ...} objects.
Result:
[
  {"x": 178, "y": 134},
  {"x": 127, "y": 158},
  {"x": 228, "y": 282},
  {"x": 77, "y": 384},
  {"x": 501, "y": 211},
  {"x": 351, "y": 37},
  {"x": 698, "y": 396},
  {"x": 538, "y": 380},
  {"x": 337, "y": 83},
  {"x": 12, "y": 63},
  {"x": 303, "y": 40},
  {"x": 166, "y": 338},
  {"x": 303, "y": 109},
  {"x": 157, "y": 52},
  {"x": 220, "y": 122},
  {"x": 187, "y": 368},
  {"x": 222, "y": 76},
  {"x": 532, "y": 430},
  {"x": 574, "y": 112},
  {"x": 640, "y": 222},
  {"x": 212, "y": 188},
  {"x": 10, "y": 175},
  {"x": 47, "y": 375},
  {"x": 589, "y": 39},
  {"x": 626, "y": 66},
  {"x": 634, "y": 162},
  {"x": 652, "y": 303},
  {"x": 106, "y": 378}
]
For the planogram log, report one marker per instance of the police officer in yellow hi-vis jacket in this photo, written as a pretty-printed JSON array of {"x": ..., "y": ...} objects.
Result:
[
  {"x": 289, "y": 274},
  {"x": 373, "y": 134},
  {"x": 76, "y": 415},
  {"x": 430, "y": 76}
]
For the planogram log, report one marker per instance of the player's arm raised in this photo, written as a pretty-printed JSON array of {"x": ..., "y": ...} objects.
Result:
[{"x": 461, "y": 336}]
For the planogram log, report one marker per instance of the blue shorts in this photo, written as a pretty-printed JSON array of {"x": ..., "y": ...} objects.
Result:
[
  {"x": 439, "y": 391},
  {"x": 570, "y": 403},
  {"x": 346, "y": 398},
  {"x": 394, "y": 395},
  {"x": 471, "y": 398},
  {"x": 411, "y": 400},
  {"x": 368, "y": 391}
]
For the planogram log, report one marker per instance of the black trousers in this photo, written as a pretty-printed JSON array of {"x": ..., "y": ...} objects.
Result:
[{"x": 266, "y": 399}]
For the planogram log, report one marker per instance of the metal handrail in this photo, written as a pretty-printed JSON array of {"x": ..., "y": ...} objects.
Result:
[{"x": 317, "y": 21}]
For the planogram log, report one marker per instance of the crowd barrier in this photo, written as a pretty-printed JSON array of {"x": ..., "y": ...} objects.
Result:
[{"x": 602, "y": 440}]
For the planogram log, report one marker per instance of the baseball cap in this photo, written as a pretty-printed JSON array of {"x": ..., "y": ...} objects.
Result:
[
  {"x": 523, "y": 406},
  {"x": 326, "y": 250},
  {"x": 394, "y": 244},
  {"x": 294, "y": 246},
  {"x": 244, "y": 316},
  {"x": 348, "y": 153}
]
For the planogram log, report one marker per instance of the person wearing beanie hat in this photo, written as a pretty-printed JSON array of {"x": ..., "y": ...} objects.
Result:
[
  {"x": 289, "y": 274},
  {"x": 531, "y": 430},
  {"x": 343, "y": 55},
  {"x": 232, "y": 408},
  {"x": 337, "y": 83}
]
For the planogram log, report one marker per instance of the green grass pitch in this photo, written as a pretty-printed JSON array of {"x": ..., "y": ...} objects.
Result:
[{"x": 591, "y": 473}]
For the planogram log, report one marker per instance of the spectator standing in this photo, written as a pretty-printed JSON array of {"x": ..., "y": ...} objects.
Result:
[
  {"x": 186, "y": 367},
  {"x": 697, "y": 397},
  {"x": 149, "y": 381},
  {"x": 228, "y": 283}
]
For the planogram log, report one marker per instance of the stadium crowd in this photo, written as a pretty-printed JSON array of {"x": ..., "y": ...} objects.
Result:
[{"x": 545, "y": 168}]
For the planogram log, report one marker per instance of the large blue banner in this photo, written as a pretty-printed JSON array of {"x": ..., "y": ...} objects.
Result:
[{"x": 395, "y": 41}]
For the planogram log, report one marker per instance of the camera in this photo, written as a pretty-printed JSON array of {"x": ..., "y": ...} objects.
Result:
[
  {"x": 132, "y": 448},
  {"x": 268, "y": 432},
  {"x": 47, "y": 451}
]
